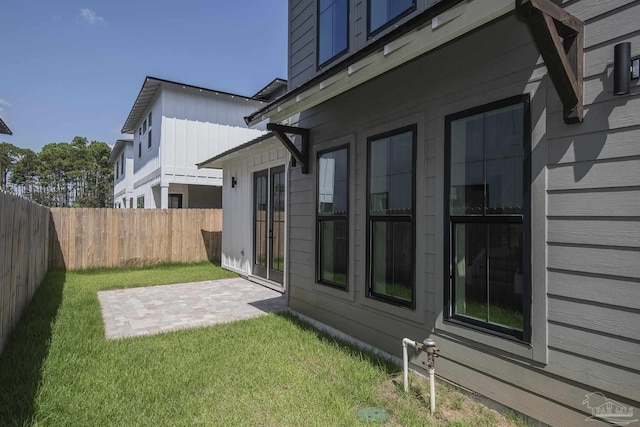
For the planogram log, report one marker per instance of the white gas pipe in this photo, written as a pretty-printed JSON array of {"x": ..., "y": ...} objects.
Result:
[{"x": 430, "y": 347}]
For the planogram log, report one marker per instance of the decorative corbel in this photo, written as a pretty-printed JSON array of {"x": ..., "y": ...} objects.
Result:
[
  {"x": 560, "y": 39},
  {"x": 281, "y": 132}
]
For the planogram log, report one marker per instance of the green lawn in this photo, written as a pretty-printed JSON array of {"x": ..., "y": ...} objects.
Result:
[{"x": 59, "y": 370}]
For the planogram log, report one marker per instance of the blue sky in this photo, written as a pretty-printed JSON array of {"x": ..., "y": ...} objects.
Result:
[{"x": 75, "y": 67}]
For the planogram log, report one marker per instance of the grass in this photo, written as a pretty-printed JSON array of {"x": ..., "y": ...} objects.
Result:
[
  {"x": 502, "y": 316},
  {"x": 58, "y": 369}
]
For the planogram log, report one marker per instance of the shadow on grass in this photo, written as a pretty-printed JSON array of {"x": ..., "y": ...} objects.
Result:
[
  {"x": 349, "y": 348},
  {"x": 22, "y": 360}
]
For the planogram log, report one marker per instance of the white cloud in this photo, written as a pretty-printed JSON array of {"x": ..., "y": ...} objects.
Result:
[{"x": 90, "y": 16}]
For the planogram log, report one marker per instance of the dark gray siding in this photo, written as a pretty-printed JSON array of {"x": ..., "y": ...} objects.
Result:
[
  {"x": 303, "y": 64},
  {"x": 586, "y": 203}
]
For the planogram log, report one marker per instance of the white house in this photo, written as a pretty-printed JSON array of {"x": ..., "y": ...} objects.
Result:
[
  {"x": 175, "y": 125},
  {"x": 122, "y": 159}
]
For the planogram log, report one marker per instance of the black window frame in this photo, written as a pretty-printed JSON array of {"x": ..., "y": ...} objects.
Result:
[
  {"x": 149, "y": 119},
  {"x": 323, "y": 218},
  {"x": 372, "y": 33},
  {"x": 413, "y": 128},
  {"x": 139, "y": 149},
  {"x": 149, "y": 144},
  {"x": 348, "y": 33},
  {"x": 122, "y": 164},
  {"x": 140, "y": 202},
  {"x": 449, "y": 246}
]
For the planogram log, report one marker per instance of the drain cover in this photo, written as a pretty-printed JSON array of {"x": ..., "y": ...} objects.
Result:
[{"x": 371, "y": 414}]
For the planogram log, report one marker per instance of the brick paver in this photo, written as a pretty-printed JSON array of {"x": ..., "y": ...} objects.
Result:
[{"x": 156, "y": 309}]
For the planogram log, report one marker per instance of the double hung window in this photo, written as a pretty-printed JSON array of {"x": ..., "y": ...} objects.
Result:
[
  {"x": 488, "y": 215},
  {"x": 391, "y": 219}
]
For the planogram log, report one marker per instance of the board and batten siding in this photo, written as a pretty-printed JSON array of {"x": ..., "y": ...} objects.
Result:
[
  {"x": 237, "y": 215},
  {"x": 585, "y": 205},
  {"x": 197, "y": 126}
]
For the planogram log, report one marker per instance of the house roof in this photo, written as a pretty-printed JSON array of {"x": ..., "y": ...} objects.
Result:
[
  {"x": 266, "y": 92},
  {"x": 4, "y": 128},
  {"x": 217, "y": 161},
  {"x": 441, "y": 12},
  {"x": 148, "y": 91},
  {"x": 119, "y": 146}
]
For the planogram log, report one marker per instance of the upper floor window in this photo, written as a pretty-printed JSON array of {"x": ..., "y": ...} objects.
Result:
[
  {"x": 144, "y": 127},
  {"x": 117, "y": 170},
  {"x": 488, "y": 212},
  {"x": 122, "y": 164},
  {"x": 383, "y": 13},
  {"x": 332, "y": 256},
  {"x": 390, "y": 216},
  {"x": 333, "y": 29},
  {"x": 139, "y": 149},
  {"x": 140, "y": 131},
  {"x": 149, "y": 119},
  {"x": 149, "y": 139}
]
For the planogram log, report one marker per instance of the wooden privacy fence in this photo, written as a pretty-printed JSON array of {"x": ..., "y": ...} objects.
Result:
[
  {"x": 24, "y": 243},
  {"x": 93, "y": 238}
]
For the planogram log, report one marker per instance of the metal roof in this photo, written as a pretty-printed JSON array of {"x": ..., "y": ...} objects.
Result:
[
  {"x": 4, "y": 128},
  {"x": 148, "y": 92},
  {"x": 216, "y": 161},
  {"x": 119, "y": 146},
  {"x": 266, "y": 92}
]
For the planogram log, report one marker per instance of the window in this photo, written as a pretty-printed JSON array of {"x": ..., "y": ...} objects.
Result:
[
  {"x": 122, "y": 164},
  {"x": 175, "y": 201},
  {"x": 333, "y": 29},
  {"x": 140, "y": 202},
  {"x": 383, "y": 13},
  {"x": 139, "y": 149},
  {"x": 144, "y": 127},
  {"x": 149, "y": 119},
  {"x": 390, "y": 216},
  {"x": 488, "y": 214},
  {"x": 117, "y": 170},
  {"x": 140, "y": 132},
  {"x": 149, "y": 139},
  {"x": 332, "y": 255}
]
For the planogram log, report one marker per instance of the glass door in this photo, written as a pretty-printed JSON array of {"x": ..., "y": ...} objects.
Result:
[{"x": 269, "y": 220}]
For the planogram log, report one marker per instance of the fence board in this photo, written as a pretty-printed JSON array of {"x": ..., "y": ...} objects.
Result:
[
  {"x": 24, "y": 248},
  {"x": 95, "y": 238}
]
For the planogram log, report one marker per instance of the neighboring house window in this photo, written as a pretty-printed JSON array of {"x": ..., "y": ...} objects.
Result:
[
  {"x": 383, "y": 13},
  {"x": 117, "y": 170},
  {"x": 487, "y": 213},
  {"x": 140, "y": 202},
  {"x": 139, "y": 149},
  {"x": 390, "y": 216},
  {"x": 175, "y": 201},
  {"x": 332, "y": 256},
  {"x": 144, "y": 127},
  {"x": 149, "y": 139},
  {"x": 333, "y": 29},
  {"x": 122, "y": 164},
  {"x": 149, "y": 119},
  {"x": 140, "y": 132}
]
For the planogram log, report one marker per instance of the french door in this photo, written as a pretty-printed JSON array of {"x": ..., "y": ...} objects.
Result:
[{"x": 268, "y": 219}]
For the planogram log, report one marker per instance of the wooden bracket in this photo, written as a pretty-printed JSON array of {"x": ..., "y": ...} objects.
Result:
[
  {"x": 560, "y": 39},
  {"x": 281, "y": 132}
]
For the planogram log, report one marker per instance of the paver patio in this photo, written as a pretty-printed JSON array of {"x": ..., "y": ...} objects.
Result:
[{"x": 156, "y": 309}]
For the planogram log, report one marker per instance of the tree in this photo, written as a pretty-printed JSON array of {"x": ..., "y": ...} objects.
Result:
[
  {"x": 65, "y": 174},
  {"x": 9, "y": 155}
]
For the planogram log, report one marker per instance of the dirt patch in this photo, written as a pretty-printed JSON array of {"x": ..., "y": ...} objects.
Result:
[{"x": 453, "y": 408}]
